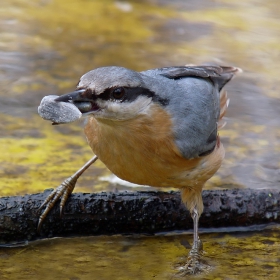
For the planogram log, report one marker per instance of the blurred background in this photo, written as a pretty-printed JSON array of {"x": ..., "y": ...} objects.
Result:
[{"x": 46, "y": 45}]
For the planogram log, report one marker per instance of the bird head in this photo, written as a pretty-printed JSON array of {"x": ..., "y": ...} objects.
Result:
[{"x": 113, "y": 93}]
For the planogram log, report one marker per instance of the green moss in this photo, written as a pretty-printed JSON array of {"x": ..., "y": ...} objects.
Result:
[{"x": 156, "y": 257}]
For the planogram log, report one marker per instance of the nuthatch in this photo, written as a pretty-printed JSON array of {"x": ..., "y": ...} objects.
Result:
[{"x": 157, "y": 127}]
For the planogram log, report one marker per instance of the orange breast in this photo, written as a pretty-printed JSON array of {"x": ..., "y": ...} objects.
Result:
[{"x": 142, "y": 151}]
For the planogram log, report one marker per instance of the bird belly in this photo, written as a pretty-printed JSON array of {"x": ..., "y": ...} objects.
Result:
[{"x": 143, "y": 151}]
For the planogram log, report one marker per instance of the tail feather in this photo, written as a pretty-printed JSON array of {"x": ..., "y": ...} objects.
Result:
[
  {"x": 224, "y": 102},
  {"x": 226, "y": 73}
]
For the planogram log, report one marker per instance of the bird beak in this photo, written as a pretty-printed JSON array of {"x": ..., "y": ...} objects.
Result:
[
  {"x": 72, "y": 96},
  {"x": 80, "y": 99}
]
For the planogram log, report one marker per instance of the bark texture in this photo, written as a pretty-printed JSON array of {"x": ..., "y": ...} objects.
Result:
[{"x": 134, "y": 212}]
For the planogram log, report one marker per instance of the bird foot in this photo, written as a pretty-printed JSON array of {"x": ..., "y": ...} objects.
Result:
[
  {"x": 194, "y": 263},
  {"x": 63, "y": 191}
]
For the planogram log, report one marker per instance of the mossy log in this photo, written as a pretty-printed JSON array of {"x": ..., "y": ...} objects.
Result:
[{"x": 134, "y": 212}]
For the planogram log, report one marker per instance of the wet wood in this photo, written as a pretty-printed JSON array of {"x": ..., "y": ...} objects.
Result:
[{"x": 134, "y": 212}]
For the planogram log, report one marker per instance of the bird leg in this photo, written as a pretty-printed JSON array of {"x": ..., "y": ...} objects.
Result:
[
  {"x": 63, "y": 191},
  {"x": 197, "y": 243},
  {"x": 194, "y": 264},
  {"x": 197, "y": 247}
]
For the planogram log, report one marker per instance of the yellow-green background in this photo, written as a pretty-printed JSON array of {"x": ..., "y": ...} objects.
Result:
[{"x": 46, "y": 45}]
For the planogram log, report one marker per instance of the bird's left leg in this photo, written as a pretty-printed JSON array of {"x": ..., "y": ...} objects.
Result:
[
  {"x": 194, "y": 263},
  {"x": 193, "y": 200},
  {"x": 63, "y": 191},
  {"x": 197, "y": 247}
]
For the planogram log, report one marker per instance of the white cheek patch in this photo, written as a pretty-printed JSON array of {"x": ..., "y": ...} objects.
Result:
[{"x": 126, "y": 110}]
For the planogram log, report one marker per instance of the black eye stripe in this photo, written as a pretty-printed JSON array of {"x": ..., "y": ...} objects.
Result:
[
  {"x": 105, "y": 95},
  {"x": 87, "y": 94},
  {"x": 132, "y": 93}
]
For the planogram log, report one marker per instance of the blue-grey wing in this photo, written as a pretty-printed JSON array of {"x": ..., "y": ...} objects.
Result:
[
  {"x": 219, "y": 75},
  {"x": 194, "y": 104}
]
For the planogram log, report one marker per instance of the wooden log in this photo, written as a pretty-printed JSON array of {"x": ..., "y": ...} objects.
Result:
[{"x": 134, "y": 212}]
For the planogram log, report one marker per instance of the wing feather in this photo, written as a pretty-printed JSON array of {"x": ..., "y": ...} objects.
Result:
[{"x": 219, "y": 75}]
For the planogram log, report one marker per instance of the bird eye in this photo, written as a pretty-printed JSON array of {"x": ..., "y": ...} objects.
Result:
[{"x": 118, "y": 93}]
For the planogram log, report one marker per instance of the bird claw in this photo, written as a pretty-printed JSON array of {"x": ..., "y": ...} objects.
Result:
[
  {"x": 194, "y": 263},
  {"x": 63, "y": 191}
]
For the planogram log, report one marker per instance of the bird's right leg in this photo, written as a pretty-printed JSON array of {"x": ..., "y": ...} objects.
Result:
[{"x": 63, "y": 191}]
